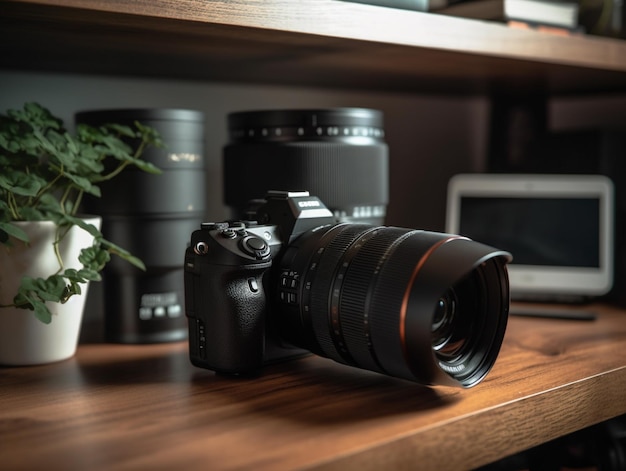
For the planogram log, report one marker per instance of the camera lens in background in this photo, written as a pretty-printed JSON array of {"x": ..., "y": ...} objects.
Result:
[
  {"x": 424, "y": 306},
  {"x": 151, "y": 216},
  {"x": 336, "y": 154}
]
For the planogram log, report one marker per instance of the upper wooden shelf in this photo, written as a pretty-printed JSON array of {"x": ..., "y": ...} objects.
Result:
[
  {"x": 309, "y": 42},
  {"x": 146, "y": 407}
]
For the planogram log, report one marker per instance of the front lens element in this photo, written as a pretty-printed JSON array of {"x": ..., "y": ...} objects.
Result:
[{"x": 449, "y": 335}]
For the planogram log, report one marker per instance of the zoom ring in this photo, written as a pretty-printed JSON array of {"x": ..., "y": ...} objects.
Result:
[
  {"x": 329, "y": 260},
  {"x": 372, "y": 250}
]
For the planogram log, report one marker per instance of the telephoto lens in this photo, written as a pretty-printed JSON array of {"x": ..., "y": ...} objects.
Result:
[
  {"x": 338, "y": 154},
  {"x": 151, "y": 216}
]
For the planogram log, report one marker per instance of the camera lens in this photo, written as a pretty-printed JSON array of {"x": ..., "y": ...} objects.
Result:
[
  {"x": 418, "y": 305},
  {"x": 337, "y": 154},
  {"x": 151, "y": 216}
]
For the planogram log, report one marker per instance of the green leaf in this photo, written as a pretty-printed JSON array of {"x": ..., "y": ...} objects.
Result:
[
  {"x": 9, "y": 144},
  {"x": 88, "y": 160},
  {"x": 87, "y": 134},
  {"x": 133, "y": 261},
  {"x": 49, "y": 203},
  {"x": 72, "y": 145},
  {"x": 84, "y": 184},
  {"x": 13, "y": 231},
  {"x": 90, "y": 275},
  {"x": 68, "y": 219},
  {"x": 4, "y": 209},
  {"x": 49, "y": 146},
  {"x": 146, "y": 166},
  {"x": 122, "y": 130},
  {"x": 115, "y": 147},
  {"x": 149, "y": 135},
  {"x": 124, "y": 254},
  {"x": 70, "y": 290},
  {"x": 22, "y": 300},
  {"x": 94, "y": 258},
  {"x": 46, "y": 289},
  {"x": 21, "y": 183},
  {"x": 42, "y": 312},
  {"x": 40, "y": 116},
  {"x": 32, "y": 214},
  {"x": 72, "y": 275}
]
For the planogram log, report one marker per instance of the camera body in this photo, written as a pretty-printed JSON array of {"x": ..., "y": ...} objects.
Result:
[{"x": 226, "y": 275}]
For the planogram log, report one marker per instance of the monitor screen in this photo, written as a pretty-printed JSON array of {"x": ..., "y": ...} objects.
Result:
[
  {"x": 559, "y": 229},
  {"x": 549, "y": 231}
]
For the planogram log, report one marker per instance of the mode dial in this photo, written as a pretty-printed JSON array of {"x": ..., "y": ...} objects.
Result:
[{"x": 256, "y": 247}]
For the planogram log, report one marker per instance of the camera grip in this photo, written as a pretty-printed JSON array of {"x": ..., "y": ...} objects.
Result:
[{"x": 227, "y": 319}]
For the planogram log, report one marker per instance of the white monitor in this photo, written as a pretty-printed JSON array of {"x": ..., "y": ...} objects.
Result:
[{"x": 559, "y": 229}]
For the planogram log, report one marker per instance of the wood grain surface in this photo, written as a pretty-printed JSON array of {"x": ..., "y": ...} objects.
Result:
[
  {"x": 309, "y": 42},
  {"x": 146, "y": 407}
]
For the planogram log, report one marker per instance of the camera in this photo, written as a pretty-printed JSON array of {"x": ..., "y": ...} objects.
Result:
[{"x": 423, "y": 306}]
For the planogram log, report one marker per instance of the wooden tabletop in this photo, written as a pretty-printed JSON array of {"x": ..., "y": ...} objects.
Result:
[{"x": 145, "y": 407}]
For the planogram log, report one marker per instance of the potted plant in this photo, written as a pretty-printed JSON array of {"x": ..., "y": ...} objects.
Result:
[{"x": 48, "y": 251}]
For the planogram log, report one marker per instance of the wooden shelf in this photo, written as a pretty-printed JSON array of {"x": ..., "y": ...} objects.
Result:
[
  {"x": 312, "y": 43},
  {"x": 146, "y": 407}
]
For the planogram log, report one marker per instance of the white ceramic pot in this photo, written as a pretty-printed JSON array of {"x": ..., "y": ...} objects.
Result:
[{"x": 25, "y": 340}]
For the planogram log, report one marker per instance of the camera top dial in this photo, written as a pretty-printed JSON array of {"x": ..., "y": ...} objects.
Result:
[
  {"x": 242, "y": 239},
  {"x": 255, "y": 246}
]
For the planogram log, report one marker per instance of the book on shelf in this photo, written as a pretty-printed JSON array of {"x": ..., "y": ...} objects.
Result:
[
  {"x": 557, "y": 13},
  {"x": 476, "y": 9},
  {"x": 545, "y": 28},
  {"x": 416, "y": 5},
  {"x": 563, "y": 17}
]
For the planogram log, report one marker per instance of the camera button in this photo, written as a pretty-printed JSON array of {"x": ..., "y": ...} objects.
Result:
[
  {"x": 256, "y": 247},
  {"x": 201, "y": 248},
  {"x": 288, "y": 297},
  {"x": 254, "y": 286},
  {"x": 254, "y": 243},
  {"x": 213, "y": 226}
]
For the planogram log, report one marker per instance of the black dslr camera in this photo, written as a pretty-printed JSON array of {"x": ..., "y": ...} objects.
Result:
[{"x": 418, "y": 305}]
